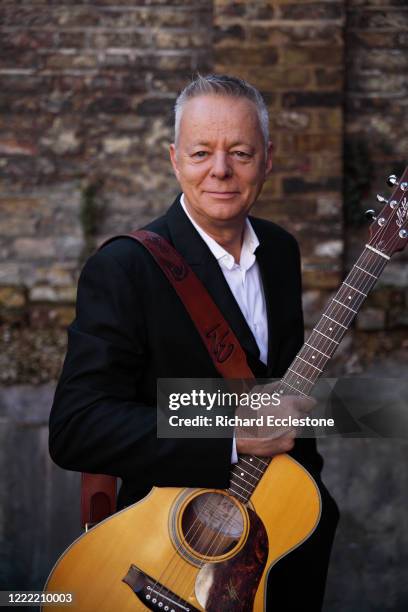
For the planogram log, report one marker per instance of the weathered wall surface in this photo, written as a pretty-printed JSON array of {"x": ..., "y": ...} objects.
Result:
[
  {"x": 86, "y": 118},
  {"x": 376, "y": 144},
  {"x": 87, "y": 90}
]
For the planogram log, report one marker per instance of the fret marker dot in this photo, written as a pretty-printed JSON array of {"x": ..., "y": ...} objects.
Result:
[
  {"x": 330, "y": 329},
  {"x": 349, "y": 297},
  {"x": 251, "y": 459},
  {"x": 242, "y": 473},
  {"x": 313, "y": 357}
]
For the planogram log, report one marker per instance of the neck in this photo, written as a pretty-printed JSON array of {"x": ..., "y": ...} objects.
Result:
[
  {"x": 312, "y": 358},
  {"x": 228, "y": 234}
]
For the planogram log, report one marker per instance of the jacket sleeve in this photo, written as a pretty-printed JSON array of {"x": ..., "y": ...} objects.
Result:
[{"x": 99, "y": 421}]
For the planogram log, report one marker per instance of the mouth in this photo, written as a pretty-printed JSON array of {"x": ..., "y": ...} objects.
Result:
[{"x": 222, "y": 195}]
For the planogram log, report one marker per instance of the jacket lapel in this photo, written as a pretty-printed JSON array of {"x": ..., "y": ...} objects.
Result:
[
  {"x": 267, "y": 261},
  {"x": 190, "y": 245}
]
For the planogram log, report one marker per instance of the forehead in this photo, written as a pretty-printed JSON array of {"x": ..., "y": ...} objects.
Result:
[{"x": 216, "y": 116}]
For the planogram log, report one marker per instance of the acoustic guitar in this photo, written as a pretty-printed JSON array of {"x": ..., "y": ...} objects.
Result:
[{"x": 184, "y": 550}]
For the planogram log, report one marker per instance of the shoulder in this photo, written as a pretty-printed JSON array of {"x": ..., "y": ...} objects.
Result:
[{"x": 126, "y": 252}]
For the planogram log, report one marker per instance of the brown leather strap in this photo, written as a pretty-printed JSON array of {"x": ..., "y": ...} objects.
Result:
[
  {"x": 221, "y": 343},
  {"x": 98, "y": 498},
  {"x": 223, "y": 346}
]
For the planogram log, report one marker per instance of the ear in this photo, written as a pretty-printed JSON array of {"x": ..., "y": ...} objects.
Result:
[
  {"x": 269, "y": 159},
  {"x": 173, "y": 158}
]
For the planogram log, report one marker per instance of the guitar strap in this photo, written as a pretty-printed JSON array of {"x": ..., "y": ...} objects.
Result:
[{"x": 98, "y": 493}]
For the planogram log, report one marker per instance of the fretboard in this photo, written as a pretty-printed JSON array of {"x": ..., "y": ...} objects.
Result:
[{"x": 312, "y": 358}]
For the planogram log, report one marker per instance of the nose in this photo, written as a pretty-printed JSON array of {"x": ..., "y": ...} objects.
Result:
[{"x": 221, "y": 167}]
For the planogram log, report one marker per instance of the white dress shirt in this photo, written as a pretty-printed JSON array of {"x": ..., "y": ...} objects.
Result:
[{"x": 244, "y": 280}]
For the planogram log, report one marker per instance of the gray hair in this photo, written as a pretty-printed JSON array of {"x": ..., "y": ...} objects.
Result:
[{"x": 222, "y": 85}]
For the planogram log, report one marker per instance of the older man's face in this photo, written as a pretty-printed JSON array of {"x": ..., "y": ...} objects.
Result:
[{"x": 220, "y": 159}]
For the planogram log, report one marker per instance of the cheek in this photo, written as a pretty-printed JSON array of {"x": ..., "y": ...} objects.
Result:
[
  {"x": 193, "y": 172},
  {"x": 250, "y": 177}
]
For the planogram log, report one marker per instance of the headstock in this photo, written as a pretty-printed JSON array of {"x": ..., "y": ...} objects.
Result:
[{"x": 389, "y": 230}]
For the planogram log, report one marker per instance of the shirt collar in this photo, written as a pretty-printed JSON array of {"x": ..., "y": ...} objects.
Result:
[{"x": 249, "y": 244}]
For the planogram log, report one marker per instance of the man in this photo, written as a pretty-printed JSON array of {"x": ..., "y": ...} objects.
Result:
[{"x": 131, "y": 328}]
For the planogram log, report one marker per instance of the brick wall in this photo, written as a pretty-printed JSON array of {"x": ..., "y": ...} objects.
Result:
[
  {"x": 85, "y": 116},
  {"x": 376, "y": 145},
  {"x": 85, "y": 120},
  {"x": 293, "y": 52}
]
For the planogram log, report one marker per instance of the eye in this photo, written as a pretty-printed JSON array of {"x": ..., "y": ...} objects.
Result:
[
  {"x": 200, "y": 154},
  {"x": 241, "y": 154}
]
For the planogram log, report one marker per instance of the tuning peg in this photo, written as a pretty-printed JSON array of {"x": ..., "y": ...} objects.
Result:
[
  {"x": 370, "y": 215},
  {"x": 392, "y": 180},
  {"x": 381, "y": 199}
]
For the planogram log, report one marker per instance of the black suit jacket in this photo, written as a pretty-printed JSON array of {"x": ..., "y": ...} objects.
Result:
[{"x": 131, "y": 328}]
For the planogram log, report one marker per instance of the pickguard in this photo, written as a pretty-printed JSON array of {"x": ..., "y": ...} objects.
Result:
[{"x": 231, "y": 585}]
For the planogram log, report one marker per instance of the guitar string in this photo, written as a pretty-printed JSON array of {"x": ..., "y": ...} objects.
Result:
[
  {"x": 176, "y": 556},
  {"x": 173, "y": 561},
  {"x": 355, "y": 278},
  {"x": 378, "y": 265},
  {"x": 358, "y": 279},
  {"x": 211, "y": 543},
  {"x": 175, "y": 573},
  {"x": 177, "y": 568},
  {"x": 214, "y": 540}
]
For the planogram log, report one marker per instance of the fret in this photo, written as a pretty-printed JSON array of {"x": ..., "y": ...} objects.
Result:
[
  {"x": 346, "y": 315},
  {"x": 294, "y": 388},
  {"x": 315, "y": 357},
  {"x": 355, "y": 299},
  {"x": 301, "y": 375},
  {"x": 334, "y": 321},
  {"x": 315, "y": 349},
  {"x": 265, "y": 463},
  {"x": 311, "y": 365},
  {"x": 366, "y": 271},
  {"x": 245, "y": 499},
  {"x": 241, "y": 487},
  {"x": 332, "y": 332},
  {"x": 348, "y": 307},
  {"x": 319, "y": 332},
  {"x": 240, "y": 477},
  {"x": 355, "y": 289},
  {"x": 251, "y": 464},
  {"x": 292, "y": 378},
  {"x": 331, "y": 327}
]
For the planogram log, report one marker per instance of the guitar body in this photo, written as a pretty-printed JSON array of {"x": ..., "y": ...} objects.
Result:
[{"x": 190, "y": 549}]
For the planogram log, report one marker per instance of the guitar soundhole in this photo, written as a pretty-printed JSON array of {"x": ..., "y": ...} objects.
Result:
[{"x": 212, "y": 524}]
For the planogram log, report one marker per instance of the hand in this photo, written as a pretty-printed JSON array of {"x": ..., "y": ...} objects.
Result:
[{"x": 266, "y": 440}]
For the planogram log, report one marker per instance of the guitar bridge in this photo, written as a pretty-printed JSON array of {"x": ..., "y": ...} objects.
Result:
[{"x": 153, "y": 594}]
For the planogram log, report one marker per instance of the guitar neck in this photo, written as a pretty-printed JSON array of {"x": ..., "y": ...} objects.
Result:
[{"x": 311, "y": 360}]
